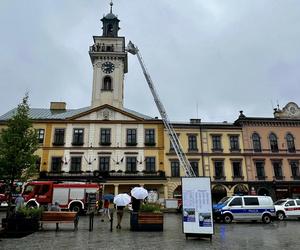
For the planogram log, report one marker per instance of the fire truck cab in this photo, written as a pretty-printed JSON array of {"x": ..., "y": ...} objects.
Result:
[{"x": 70, "y": 195}]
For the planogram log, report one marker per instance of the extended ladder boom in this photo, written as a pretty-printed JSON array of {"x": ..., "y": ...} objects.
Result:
[{"x": 131, "y": 48}]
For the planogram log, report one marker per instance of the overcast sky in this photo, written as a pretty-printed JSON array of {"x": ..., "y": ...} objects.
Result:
[{"x": 208, "y": 58}]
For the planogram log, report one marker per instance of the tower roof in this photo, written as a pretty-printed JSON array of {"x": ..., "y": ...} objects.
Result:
[{"x": 111, "y": 15}]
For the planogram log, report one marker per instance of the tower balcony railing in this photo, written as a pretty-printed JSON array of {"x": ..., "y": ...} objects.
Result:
[{"x": 106, "y": 48}]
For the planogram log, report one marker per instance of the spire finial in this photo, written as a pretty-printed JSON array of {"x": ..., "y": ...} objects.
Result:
[{"x": 111, "y": 5}]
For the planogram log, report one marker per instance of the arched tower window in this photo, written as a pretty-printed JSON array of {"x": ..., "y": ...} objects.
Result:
[
  {"x": 107, "y": 83},
  {"x": 110, "y": 29},
  {"x": 290, "y": 142},
  {"x": 273, "y": 142},
  {"x": 256, "y": 142}
]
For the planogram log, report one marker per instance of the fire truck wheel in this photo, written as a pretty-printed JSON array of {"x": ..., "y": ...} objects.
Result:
[
  {"x": 76, "y": 207},
  {"x": 31, "y": 204}
]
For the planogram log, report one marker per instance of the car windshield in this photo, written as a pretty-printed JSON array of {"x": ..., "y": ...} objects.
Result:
[
  {"x": 279, "y": 202},
  {"x": 223, "y": 200}
]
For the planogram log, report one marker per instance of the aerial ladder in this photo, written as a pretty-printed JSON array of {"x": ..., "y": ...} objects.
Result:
[{"x": 184, "y": 163}]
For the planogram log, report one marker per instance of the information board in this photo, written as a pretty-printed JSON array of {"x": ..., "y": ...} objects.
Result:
[{"x": 197, "y": 216}]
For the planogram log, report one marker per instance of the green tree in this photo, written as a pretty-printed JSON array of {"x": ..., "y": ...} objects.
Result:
[{"x": 18, "y": 142}]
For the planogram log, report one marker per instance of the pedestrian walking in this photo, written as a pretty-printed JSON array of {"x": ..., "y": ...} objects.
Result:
[
  {"x": 106, "y": 210},
  {"x": 120, "y": 212}
]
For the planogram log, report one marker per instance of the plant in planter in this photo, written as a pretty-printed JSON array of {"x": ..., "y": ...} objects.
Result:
[
  {"x": 149, "y": 218},
  {"x": 150, "y": 208},
  {"x": 25, "y": 219}
]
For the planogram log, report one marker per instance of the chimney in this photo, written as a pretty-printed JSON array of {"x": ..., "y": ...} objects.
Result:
[
  {"x": 58, "y": 106},
  {"x": 195, "y": 121}
]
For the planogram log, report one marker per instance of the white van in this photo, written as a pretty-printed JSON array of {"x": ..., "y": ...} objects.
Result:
[{"x": 247, "y": 207}]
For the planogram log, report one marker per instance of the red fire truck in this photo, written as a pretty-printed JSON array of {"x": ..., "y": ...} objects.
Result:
[{"x": 70, "y": 195}]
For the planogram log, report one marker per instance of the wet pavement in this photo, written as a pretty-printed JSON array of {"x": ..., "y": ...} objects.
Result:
[{"x": 277, "y": 235}]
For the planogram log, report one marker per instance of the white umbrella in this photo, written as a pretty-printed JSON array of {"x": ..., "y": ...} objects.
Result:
[
  {"x": 122, "y": 199},
  {"x": 139, "y": 193}
]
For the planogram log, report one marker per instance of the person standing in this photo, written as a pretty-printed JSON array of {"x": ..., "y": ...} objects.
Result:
[
  {"x": 120, "y": 212},
  {"x": 19, "y": 202}
]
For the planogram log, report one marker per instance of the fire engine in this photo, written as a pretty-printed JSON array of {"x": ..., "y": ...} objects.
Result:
[{"x": 70, "y": 195}]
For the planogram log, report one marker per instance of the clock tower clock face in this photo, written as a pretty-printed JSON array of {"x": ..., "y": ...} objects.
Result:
[{"x": 107, "y": 67}]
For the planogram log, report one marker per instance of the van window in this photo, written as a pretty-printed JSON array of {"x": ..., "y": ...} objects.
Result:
[
  {"x": 251, "y": 201},
  {"x": 290, "y": 203},
  {"x": 298, "y": 202},
  {"x": 236, "y": 202}
]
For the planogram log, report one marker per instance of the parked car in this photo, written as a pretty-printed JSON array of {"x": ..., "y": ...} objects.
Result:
[
  {"x": 287, "y": 208},
  {"x": 248, "y": 207}
]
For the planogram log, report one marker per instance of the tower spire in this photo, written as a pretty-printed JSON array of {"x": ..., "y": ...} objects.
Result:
[{"x": 111, "y": 5}]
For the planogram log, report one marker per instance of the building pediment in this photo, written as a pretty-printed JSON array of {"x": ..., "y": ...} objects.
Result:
[
  {"x": 290, "y": 111},
  {"x": 108, "y": 113}
]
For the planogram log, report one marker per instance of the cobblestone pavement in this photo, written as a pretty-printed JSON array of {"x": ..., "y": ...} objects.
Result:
[{"x": 277, "y": 235}]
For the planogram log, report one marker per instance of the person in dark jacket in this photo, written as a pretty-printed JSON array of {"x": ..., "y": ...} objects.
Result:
[{"x": 136, "y": 204}]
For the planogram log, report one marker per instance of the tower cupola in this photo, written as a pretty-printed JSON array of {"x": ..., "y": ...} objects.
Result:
[{"x": 110, "y": 24}]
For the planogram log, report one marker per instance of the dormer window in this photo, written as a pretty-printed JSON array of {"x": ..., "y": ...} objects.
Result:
[{"x": 107, "y": 83}]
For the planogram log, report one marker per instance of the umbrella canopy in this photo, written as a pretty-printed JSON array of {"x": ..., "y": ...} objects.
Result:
[
  {"x": 139, "y": 193},
  {"x": 122, "y": 199},
  {"x": 109, "y": 197}
]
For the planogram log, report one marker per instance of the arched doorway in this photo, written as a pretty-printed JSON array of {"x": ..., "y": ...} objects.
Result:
[
  {"x": 218, "y": 192},
  {"x": 263, "y": 191},
  {"x": 240, "y": 189}
]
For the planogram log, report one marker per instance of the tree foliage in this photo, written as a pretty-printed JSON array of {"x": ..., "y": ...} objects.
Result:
[{"x": 18, "y": 142}]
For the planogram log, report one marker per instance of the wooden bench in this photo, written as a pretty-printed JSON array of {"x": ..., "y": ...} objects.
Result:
[{"x": 59, "y": 217}]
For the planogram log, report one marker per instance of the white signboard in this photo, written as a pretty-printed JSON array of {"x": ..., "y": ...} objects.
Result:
[{"x": 197, "y": 217}]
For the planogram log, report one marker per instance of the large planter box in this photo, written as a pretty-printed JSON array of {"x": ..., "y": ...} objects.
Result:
[{"x": 142, "y": 221}]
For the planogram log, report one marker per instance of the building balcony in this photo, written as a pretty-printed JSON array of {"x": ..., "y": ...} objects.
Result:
[
  {"x": 150, "y": 144},
  {"x": 105, "y": 143},
  {"x": 295, "y": 177},
  {"x": 130, "y": 144},
  {"x": 58, "y": 143},
  {"x": 77, "y": 143},
  {"x": 278, "y": 177},
  {"x": 220, "y": 178},
  {"x": 238, "y": 178},
  {"x": 261, "y": 178},
  {"x": 217, "y": 150}
]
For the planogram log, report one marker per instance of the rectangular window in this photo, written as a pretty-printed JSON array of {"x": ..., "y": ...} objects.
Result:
[
  {"x": 131, "y": 164},
  {"x": 192, "y": 143},
  {"x": 150, "y": 164},
  {"x": 149, "y": 137},
  {"x": 219, "y": 174},
  {"x": 77, "y": 137},
  {"x": 194, "y": 165},
  {"x": 295, "y": 169},
  {"x": 260, "y": 170},
  {"x": 75, "y": 164},
  {"x": 251, "y": 201},
  {"x": 234, "y": 143},
  {"x": 105, "y": 136},
  {"x": 56, "y": 164},
  {"x": 131, "y": 137},
  {"x": 104, "y": 163},
  {"x": 41, "y": 135},
  {"x": 277, "y": 169},
  {"x": 59, "y": 137},
  {"x": 237, "y": 170},
  {"x": 216, "y": 143},
  {"x": 175, "y": 169}
]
